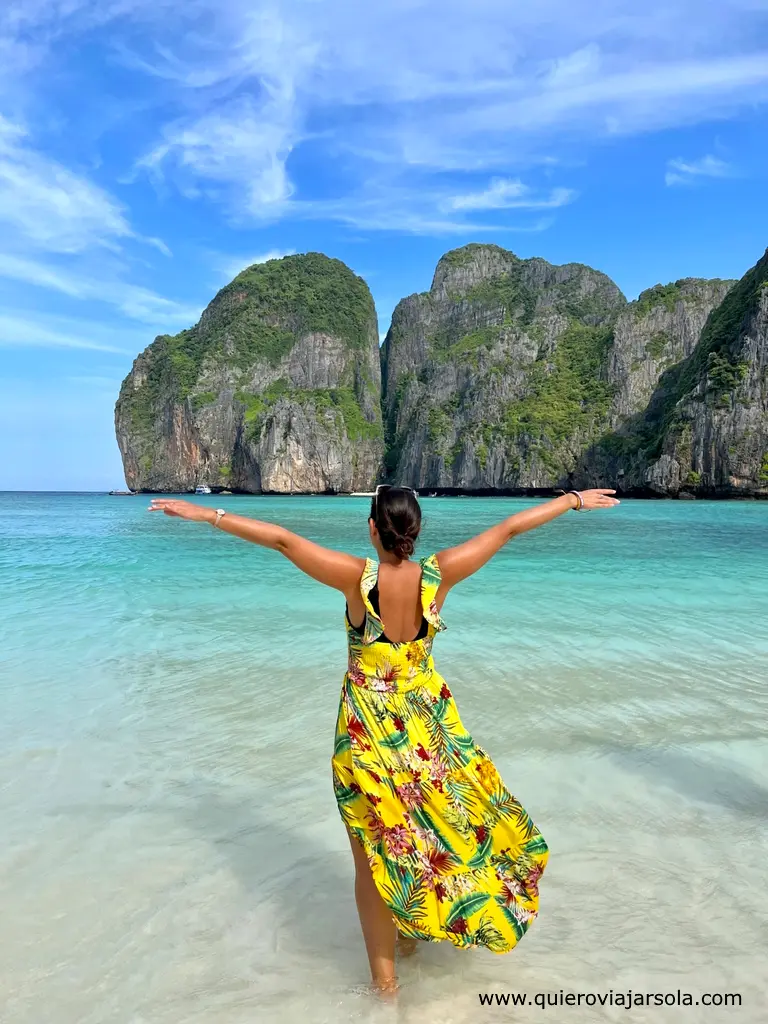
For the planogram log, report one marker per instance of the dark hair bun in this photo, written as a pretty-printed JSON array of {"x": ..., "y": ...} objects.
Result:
[
  {"x": 397, "y": 516},
  {"x": 403, "y": 547}
]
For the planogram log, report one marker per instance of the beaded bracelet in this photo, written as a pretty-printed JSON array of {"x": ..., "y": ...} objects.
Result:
[{"x": 580, "y": 506}]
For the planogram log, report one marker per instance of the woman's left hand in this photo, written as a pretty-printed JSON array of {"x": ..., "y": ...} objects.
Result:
[{"x": 183, "y": 509}]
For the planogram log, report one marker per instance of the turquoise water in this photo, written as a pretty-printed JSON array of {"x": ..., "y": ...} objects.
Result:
[{"x": 172, "y": 848}]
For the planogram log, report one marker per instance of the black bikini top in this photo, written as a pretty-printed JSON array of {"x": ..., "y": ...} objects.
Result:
[{"x": 373, "y": 597}]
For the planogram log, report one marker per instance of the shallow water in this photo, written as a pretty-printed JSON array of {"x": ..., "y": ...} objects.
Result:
[{"x": 172, "y": 850}]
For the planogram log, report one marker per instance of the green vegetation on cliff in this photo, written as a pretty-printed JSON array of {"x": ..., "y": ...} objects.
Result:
[
  {"x": 717, "y": 358},
  {"x": 515, "y": 359},
  {"x": 257, "y": 318},
  {"x": 269, "y": 304},
  {"x": 143, "y": 402},
  {"x": 260, "y": 315},
  {"x": 203, "y": 398},
  {"x": 715, "y": 368},
  {"x": 341, "y": 402},
  {"x": 508, "y": 292},
  {"x": 446, "y": 348},
  {"x": 464, "y": 256},
  {"x": 657, "y": 344},
  {"x": 522, "y": 290},
  {"x": 667, "y": 295},
  {"x": 568, "y": 394}
]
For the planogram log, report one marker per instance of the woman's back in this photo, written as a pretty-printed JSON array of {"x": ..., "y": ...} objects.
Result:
[{"x": 396, "y": 597}]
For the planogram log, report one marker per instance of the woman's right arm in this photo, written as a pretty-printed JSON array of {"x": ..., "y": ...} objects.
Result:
[
  {"x": 333, "y": 568},
  {"x": 459, "y": 562}
]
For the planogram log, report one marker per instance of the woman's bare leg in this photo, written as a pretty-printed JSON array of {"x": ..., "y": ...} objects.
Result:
[{"x": 376, "y": 922}]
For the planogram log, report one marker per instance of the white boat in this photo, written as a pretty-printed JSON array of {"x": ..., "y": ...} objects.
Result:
[{"x": 203, "y": 489}]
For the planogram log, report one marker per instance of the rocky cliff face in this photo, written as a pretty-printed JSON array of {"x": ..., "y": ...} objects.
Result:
[
  {"x": 275, "y": 389},
  {"x": 514, "y": 374},
  {"x": 704, "y": 430},
  {"x": 652, "y": 334},
  {"x": 508, "y": 375},
  {"x": 494, "y": 378}
]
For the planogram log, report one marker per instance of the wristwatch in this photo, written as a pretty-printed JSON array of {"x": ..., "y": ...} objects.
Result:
[{"x": 219, "y": 513}]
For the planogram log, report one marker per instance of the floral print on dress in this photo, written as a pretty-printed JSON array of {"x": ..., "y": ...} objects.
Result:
[{"x": 454, "y": 855}]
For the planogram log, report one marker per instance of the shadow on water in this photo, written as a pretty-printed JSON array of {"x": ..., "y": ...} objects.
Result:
[
  {"x": 704, "y": 780},
  {"x": 311, "y": 886},
  {"x": 303, "y": 889}
]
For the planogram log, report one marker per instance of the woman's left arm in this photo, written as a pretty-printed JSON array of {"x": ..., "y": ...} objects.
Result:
[{"x": 333, "y": 568}]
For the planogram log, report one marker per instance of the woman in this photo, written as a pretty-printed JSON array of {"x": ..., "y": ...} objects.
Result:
[{"x": 442, "y": 849}]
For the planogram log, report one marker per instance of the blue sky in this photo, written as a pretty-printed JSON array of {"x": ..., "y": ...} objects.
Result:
[{"x": 149, "y": 149}]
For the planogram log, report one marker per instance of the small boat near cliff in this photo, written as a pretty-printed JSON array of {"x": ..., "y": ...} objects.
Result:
[
  {"x": 203, "y": 489},
  {"x": 124, "y": 494}
]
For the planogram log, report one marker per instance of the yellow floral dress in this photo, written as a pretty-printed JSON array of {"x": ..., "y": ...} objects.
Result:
[{"x": 453, "y": 854}]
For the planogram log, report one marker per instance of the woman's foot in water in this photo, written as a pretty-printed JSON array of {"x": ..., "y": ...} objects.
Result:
[{"x": 386, "y": 988}]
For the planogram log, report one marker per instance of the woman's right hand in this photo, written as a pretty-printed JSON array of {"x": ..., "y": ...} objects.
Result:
[
  {"x": 598, "y": 497},
  {"x": 183, "y": 509}
]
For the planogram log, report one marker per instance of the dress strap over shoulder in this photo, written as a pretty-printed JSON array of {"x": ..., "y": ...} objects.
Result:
[
  {"x": 373, "y": 626},
  {"x": 430, "y": 583}
]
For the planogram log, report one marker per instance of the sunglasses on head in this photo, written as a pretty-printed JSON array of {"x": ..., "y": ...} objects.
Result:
[{"x": 387, "y": 487}]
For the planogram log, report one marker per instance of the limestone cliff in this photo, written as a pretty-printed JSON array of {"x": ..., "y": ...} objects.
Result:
[
  {"x": 507, "y": 375},
  {"x": 654, "y": 333},
  {"x": 276, "y": 389},
  {"x": 515, "y": 374},
  {"x": 493, "y": 380},
  {"x": 705, "y": 428}
]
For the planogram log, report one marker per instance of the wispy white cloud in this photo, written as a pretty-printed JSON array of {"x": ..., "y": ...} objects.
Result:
[
  {"x": 29, "y": 271},
  {"x": 507, "y": 90},
  {"x": 500, "y": 194},
  {"x": 397, "y": 95},
  {"x": 622, "y": 99},
  {"x": 19, "y": 331},
  {"x": 421, "y": 210},
  {"x": 389, "y": 209},
  {"x": 57, "y": 226},
  {"x": 47, "y": 209},
  {"x": 49, "y": 206},
  {"x": 686, "y": 172},
  {"x": 131, "y": 300},
  {"x": 229, "y": 266},
  {"x": 238, "y": 151},
  {"x": 509, "y": 194}
]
